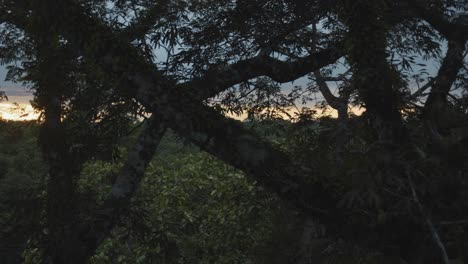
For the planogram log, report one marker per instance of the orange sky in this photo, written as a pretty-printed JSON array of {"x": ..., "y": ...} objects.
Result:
[
  {"x": 327, "y": 112},
  {"x": 18, "y": 107},
  {"x": 24, "y": 111}
]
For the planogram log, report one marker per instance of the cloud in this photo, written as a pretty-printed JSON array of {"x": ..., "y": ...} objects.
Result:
[{"x": 16, "y": 91}]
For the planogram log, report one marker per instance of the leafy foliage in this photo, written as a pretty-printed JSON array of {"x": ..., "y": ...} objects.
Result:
[
  {"x": 372, "y": 188},
  {"x": 22, "y": 186}
]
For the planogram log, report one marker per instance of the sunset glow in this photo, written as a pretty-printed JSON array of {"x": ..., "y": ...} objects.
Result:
[
  {"x": 328, "y": 111},
  {"x": 25, "y": 112},
  {"x": 17, "y": 112}
]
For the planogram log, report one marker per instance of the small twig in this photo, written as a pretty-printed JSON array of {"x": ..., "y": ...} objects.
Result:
[
  {"x": 435, "y": 235},
  {"x": 421, "y": 90}
]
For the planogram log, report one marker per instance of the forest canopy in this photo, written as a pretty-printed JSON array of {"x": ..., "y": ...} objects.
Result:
[{"x": 113, "y": 79}]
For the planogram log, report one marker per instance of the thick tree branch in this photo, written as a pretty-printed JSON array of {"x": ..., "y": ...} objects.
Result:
[
  {"x": 223, "y": 77},
  {"x": 82, "y": 29},
  {"x": 456, "y": 29},
  {"x": 451, "y": 65},
  {"x": 228, "y": 140},
  {"x": 182, "y": 110},
  {"x": 332, "y": 100},
  {"x": 90, "y": 234},
  {"x": 142, "y": 81},
  {"x": 334, "y": 79}
]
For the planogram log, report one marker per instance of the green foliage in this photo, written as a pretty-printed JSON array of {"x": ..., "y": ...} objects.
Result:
[
  {"x": 22, "y": 183},
  {"x": 190, "y": 209}
]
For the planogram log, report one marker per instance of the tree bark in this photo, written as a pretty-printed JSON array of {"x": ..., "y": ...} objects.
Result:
[
  {"x": 61, "y": 209},
  {"x": 436, "y": 107},
  {"x": 71, "y": 239},
  {"x": 377, "y": 83},
  {"x": 341, "y": 105},
  {"x": 90, "y": 234}
]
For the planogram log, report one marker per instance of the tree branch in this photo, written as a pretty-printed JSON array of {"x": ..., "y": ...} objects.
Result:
[
  {"x": 456, "y": 29},
  {"x": 421, "y": 90},
  {"x": 223, "y": 77},
  {"x": 182, "y": 110},
  {"x": 451, "y": 65},
  {"x": 228, "y": 140},
  {"x": 155, "y": 91},
  {"x": 143, "y": 24},
  {"x": 82, "y": 29},
  {"x": 435, "y": 236},
  {"x": 129, "y": 178},
  {"x": 332, "y": 100}
]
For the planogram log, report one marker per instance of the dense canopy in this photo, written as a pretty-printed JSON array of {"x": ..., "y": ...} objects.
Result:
[{"x": 390, "y": 184}]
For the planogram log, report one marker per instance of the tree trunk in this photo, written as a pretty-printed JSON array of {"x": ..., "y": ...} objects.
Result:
[
  {"x": 62, "y": 209},
  {"x": 377, "y": 83}
]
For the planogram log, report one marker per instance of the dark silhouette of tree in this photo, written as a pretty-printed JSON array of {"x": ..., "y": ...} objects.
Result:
[{"x": 96, "y": 64}]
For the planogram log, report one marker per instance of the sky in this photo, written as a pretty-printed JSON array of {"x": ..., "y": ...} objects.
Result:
[
  {"x": 18, "y": 98},
  {"x": 17, "y": 107},
  {"x": 20, "y": 95},
  {"x": 15, "y": 92}
]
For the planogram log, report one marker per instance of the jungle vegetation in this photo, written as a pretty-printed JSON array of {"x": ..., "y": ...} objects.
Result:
[{"x": 135, "y": 158}]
